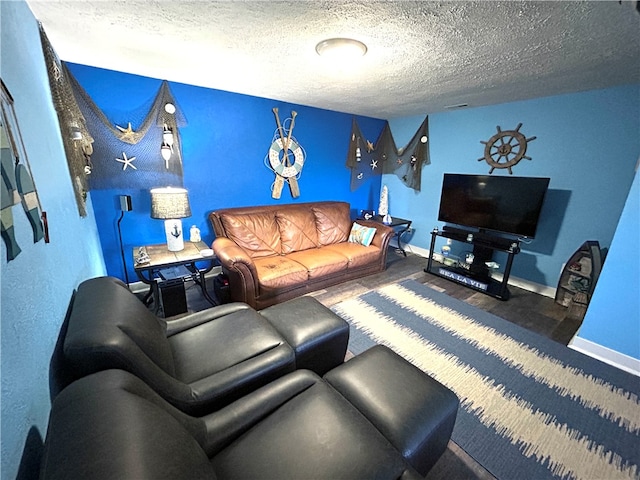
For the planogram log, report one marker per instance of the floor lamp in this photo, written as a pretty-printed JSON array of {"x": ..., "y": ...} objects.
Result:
[
  {"x": 171, "y": 204},
  {"x": 125, "y": 206}
]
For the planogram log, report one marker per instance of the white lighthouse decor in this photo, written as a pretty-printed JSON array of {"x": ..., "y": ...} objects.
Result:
[{"x": 383, "y": 208}]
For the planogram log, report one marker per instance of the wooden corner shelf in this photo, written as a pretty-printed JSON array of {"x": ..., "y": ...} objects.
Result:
[{"x": 580, "y": 273}]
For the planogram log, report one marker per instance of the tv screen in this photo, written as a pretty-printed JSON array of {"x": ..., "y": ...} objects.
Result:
[{"x": 503, "y": 204}]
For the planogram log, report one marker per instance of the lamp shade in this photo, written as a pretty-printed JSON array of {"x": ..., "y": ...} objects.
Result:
[{"x": 170, "y": 202}]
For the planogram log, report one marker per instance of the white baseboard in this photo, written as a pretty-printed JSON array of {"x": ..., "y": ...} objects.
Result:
[
  {"x": 515, "y": 281},
  {"x": 530, "y": 286},
  {"x": 604, "y": 354},
  {"x": 423, "y": 252},
  {"x": 617, "y": 359}
]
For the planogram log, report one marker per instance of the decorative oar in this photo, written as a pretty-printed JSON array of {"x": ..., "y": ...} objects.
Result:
[
  {"x": 293, "y": 181},
  {"x": 279, "y": 182}
]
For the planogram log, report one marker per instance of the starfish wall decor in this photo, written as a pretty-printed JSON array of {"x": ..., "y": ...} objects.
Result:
[{"x": 127, "y": 162}]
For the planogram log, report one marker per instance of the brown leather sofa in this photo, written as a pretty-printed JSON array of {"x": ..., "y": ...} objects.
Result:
[{"x": 277, "y": 252}]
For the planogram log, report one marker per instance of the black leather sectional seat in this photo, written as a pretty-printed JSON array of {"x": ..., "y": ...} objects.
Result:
[
  {"x": 231, "y": 393},
  {"x": 204, "y": 360},
  {"x": 374, "y": 417}
]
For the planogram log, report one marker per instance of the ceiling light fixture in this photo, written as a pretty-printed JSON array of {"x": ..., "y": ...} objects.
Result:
[
  {"x": 341, "y": 47},
  {"x": 458, "y": 105}
]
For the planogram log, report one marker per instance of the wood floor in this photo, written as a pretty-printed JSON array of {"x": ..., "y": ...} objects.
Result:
[{"x": 529, "y": 310}]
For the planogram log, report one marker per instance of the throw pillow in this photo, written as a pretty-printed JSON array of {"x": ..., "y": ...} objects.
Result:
[{"x": 361, "y": 234}]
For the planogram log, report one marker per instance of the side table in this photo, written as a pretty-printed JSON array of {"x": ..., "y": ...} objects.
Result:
[
  {"x": 400, "y": 227},
  {"x": 159, "y": 260}
]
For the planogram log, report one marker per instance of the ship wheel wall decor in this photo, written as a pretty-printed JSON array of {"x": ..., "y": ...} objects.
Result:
[{"x": 505, "y": 149}]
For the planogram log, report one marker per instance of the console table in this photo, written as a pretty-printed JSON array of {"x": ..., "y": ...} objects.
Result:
[
  {"x": 155, "y": 263},
  {"x": 477, "y": 273}
]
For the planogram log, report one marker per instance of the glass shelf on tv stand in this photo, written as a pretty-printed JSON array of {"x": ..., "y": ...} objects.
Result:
[
  {"x": 479, "y": 273},
  {"x": 455, "y": 261}
]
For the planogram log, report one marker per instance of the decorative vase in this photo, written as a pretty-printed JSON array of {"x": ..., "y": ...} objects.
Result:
[
  {"x": 383, "y": 208},
  {"x": 194, "y": 234}
]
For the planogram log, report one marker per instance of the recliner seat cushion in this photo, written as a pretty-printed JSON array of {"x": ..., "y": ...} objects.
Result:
[
  {"x": 196, "y": 357},
  {"x": 318, "y": 433}
]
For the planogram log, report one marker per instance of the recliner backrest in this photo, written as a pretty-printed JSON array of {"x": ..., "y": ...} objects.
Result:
[
  {"x": 114, "y": 330},
  {"x": 112, "y": 426}
]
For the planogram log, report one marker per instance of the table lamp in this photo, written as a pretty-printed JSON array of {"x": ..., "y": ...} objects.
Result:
[{"x": 171, "y": 204}]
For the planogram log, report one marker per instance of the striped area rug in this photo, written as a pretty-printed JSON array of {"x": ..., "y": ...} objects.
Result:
[{"x": 530, "y": 408}]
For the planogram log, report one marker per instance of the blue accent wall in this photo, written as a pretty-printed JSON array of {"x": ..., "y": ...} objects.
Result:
[
  {"x": 225, "y": 143},
  {"x": 613, "y": 316},
  {"x": 587, "y": 143},
  {"x": 36, "y": 285}
]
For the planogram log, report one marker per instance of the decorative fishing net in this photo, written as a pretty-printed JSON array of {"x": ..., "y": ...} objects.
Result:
[
  {"x": 366, "y": 159},
  {"x": 127, "y": 150},
  {"x": 135, "y": 149},
  {"x": 72, "y": 123}
]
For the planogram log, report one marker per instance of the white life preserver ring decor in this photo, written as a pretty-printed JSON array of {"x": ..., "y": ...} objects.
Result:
[{"x": 277, "y": 163}]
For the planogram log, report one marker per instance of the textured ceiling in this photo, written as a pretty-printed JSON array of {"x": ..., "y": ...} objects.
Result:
[{"x": 423, "y": 56}]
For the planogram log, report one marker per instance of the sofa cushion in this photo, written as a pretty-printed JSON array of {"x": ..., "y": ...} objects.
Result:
[
  {"x": 320, "y": 261},
  {"x": 356, "y": 254},
  {"x": 297, "y": 229},
  {"x": 279, "y": 271},
  {"x": 256, "y": 232},
  {"x": 333, "y": 222},
  {"x": 361, "y": 234}
]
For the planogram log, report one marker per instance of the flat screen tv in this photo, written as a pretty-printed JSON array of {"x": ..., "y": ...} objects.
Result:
[{"x": 502, "y": 204}]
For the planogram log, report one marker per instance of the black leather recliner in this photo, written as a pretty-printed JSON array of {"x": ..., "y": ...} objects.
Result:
[
  {"x": 204, "y": 360},
  {"x": 375, "y": 416}
]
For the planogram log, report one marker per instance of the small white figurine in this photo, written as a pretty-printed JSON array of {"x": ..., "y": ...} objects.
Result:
[{"x": 194, "y": 234}]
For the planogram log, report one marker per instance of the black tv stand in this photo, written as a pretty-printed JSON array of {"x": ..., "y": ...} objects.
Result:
[{"x": 477, "y": 274}]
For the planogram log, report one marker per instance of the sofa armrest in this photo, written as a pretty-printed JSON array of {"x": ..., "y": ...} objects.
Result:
[
  {"x": 383, "y": 233},
  {"x": 198, "y": 318},
  {"x": 239, "y": 266},
  {"x": 229, "y": 253}
]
